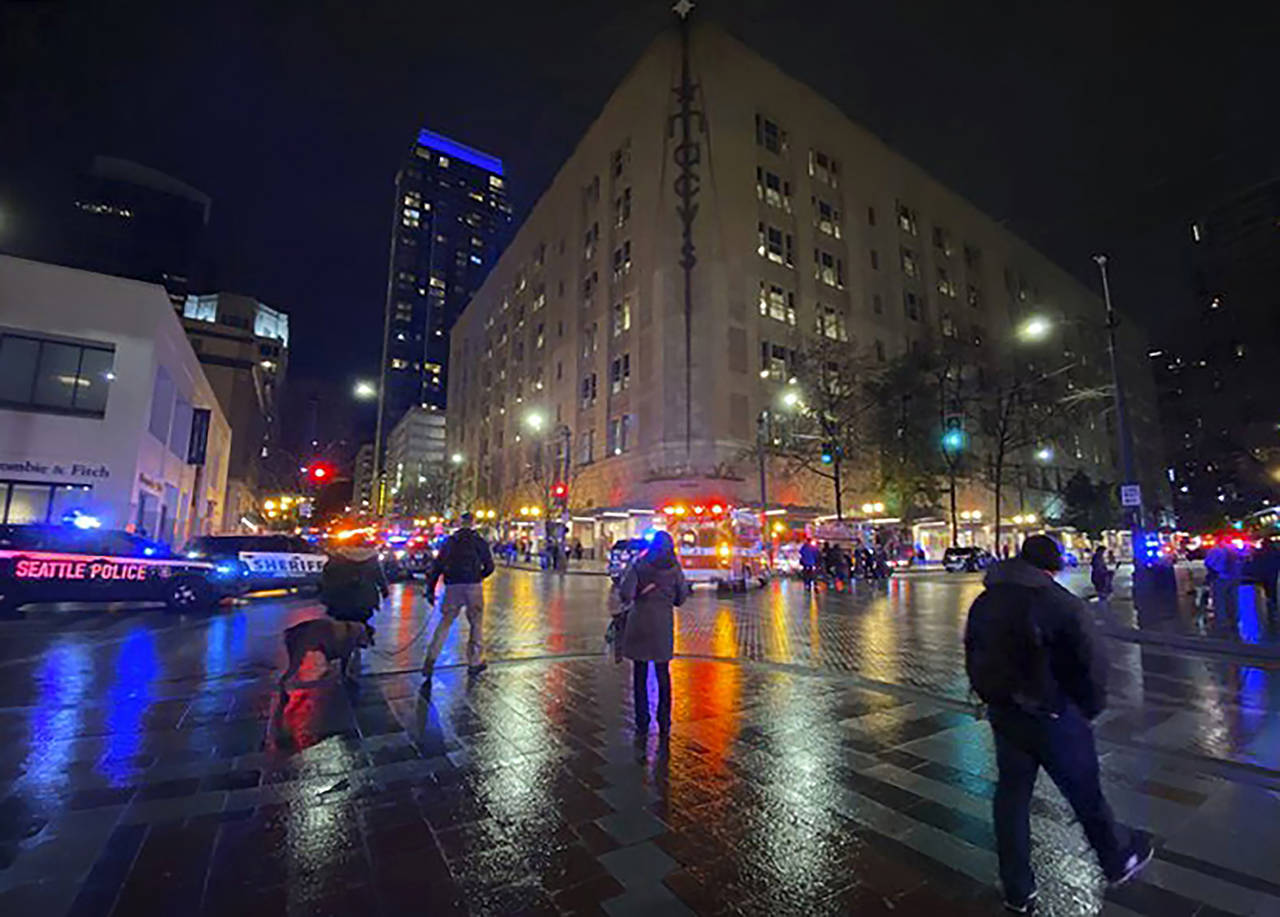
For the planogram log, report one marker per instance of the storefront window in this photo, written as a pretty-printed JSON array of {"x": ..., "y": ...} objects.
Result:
[{"x": 27, "y": 503}]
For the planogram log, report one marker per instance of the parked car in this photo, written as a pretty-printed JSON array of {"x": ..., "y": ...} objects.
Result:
[
  {"x": 53, "y": 563},
  {"x": 622, "y": 553},
  {"x": 261, "y": 561},
  {"x": 966, "y": 560}
]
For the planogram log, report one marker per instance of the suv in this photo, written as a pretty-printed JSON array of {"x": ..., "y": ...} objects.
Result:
[
  {"x": 966, "y": 560},
  {"x": 252, "y": 562},
  {"x": 52, "y": 563},
  {"x": 621, "y": 555}
]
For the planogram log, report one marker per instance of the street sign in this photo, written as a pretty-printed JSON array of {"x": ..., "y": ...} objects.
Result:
[{"x": 1130, "y": 495}]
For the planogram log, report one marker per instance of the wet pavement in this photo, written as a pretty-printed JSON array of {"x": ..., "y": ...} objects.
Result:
[{"x": 823, "y": 759}]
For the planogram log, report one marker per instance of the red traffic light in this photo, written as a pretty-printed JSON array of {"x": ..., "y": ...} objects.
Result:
[
  {"x": 319, "y": 471},
  {"x": 560, "y": 490}
]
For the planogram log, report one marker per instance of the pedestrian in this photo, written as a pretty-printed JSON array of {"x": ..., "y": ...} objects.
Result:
[
  {"x": 577, "y": 549},
  {"x": 352, "y": 583},
  {"x": 1223, "y": 566},
  {"x": 809, "y": 561},
  {"x": 464, "y": 561},
  {"x": 828, "y": 561},
  {"x": 1267, "y": 569},
  {"x": 651, "y": 588},
  {"x": 1100, "y": 574},
  {"x": 1034, "y": 657}
]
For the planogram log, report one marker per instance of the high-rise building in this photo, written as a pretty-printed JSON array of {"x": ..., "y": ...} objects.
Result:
[
  {"x": 449, "y": 223},
  {"x": 1216, "y": 371},
  {"x": 362, "y": 479},
  {"x": 415, "y": 459},
  {"x": 134, "y": 221},
  {"x": 243, "y": 346},
  {"x": 715, "y": 219}
]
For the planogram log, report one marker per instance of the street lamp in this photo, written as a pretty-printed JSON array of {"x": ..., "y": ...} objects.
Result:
[
  {"x": 534, "y": 420},
  {"x": 364, "y": 390},
  {"x": 456, "y": 458},
  {"x": 1036, "y": 328},
  {"x": 1044, "y": 454},
  {"x": 791, "y": 398}
]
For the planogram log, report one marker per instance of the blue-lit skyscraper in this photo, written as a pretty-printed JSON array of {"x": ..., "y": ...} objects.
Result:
[{"x": 450, "y": 221}]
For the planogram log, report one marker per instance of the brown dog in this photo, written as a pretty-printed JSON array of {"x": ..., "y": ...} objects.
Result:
[{"x": 336, "y": 639}]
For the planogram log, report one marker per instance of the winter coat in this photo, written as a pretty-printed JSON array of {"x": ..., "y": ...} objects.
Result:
[
  {"x": 1076, "y": 660},
  {"x": 352, "y": 583},
  {"x": 650, "y": 589}
]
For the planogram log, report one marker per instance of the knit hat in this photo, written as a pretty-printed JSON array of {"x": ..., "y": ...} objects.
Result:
[{"x": 1043, "y": 552}]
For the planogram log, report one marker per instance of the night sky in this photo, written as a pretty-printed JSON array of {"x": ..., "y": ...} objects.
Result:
[{"x": 1085, "y": 128}]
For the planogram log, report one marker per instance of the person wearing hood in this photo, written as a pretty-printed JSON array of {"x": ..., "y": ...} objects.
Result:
[
  {"x": 1033, "y": 655},
  {"x": 652, "y": 586},
  {"x": 352, "y": 584}
]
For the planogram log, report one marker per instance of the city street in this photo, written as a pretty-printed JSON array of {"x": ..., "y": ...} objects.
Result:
[{"x": 824, "y": 758}]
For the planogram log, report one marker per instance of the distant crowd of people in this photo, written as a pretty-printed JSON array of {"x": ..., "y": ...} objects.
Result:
[{"x": 838, "y": 565}]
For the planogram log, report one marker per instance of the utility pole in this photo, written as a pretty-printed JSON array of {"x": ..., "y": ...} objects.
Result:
[{"x": 1123, "y": 431}]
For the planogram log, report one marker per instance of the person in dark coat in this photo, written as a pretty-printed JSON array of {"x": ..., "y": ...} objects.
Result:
[
  {"x": 651, "y": 588},
  {"x": 1099, "y": 573},
  {"x": 352, "y": 584},
  {"x": 1033, "y": 655},
  {"x": 464, "y": 562}
]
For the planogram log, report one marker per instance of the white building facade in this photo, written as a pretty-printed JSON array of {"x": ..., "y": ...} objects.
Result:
[{"x": 104, "y": 408}]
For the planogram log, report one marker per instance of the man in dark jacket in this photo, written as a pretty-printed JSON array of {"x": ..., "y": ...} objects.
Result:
[
  {"x": 464, "y": 561},
  {"x": 1033, "y": 655},
  {"x": 352, "y": 583}
]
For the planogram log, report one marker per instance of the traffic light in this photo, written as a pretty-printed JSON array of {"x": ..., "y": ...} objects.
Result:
[
  {"x": 828, "y": 453},
  {"x": 953, "y": 436},
  {"x": 319, "y": 473},
  {"x": 559, "y": 490}
]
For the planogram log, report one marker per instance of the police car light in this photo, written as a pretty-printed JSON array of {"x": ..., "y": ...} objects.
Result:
[{"x": 82, "y": 520}]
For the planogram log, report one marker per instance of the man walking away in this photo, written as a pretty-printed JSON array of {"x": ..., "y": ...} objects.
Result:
[
  {"x": 810, "y": 558},
  {"x": 1032, "y": 654},
  {"x": 464, "y": 561}
]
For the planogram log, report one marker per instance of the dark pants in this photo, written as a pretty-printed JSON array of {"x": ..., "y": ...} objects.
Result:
[
  {"x": 640, "y": 682},
  {"x": 1064, "y": 747}
]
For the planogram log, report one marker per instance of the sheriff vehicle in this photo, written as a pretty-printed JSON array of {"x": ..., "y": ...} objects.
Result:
[{"x": 259, "y": 562}]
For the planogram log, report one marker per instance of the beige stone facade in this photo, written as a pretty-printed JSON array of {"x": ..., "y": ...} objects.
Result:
[{"x": 806, "y": 224}]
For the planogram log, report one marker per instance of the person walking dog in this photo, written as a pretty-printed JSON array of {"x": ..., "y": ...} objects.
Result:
[
  {"x": 652, "y": 586},
  {"x": 464, "y": 561},
  {"x": 1033, "y": 655}
]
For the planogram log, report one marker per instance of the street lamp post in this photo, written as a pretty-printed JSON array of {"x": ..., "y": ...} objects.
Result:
[{"x": 1123, "y": 431}]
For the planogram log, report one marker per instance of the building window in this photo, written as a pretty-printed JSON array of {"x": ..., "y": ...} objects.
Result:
[
  {"x": 946, "y": 286},
  {"x": 977, "y": 335},
  {"x": 540, "y": 336},
  {"x": 912, "y": 304},
  {"x": 620, "y": 158},
  {"x": 831, "y": 323},
  {"x": 974, "y": 296},
  {"x": 771, "y": 189},
  {"x": 877, "y": 304},
  {"x": 972, "y": 257},
  {"x": 875, "y": 260},
  {"x": 621, "y": 260},
  {"x": 775, "y": 361},
  {"x": 871, "y": 216},
  {"x": 589, "y": 240},
  {"x": 942, "y": 241},
  {"x": 775, "y": 245},
  {"x": 826, "y": 216},
  {"x": 828, "y": 268},
  {"x": 589, "y": 341},
  {"x": 907, "y": 220},
  {"x": 51, "y": 375},
  {"x": 621, "y": 316},
  {"x": 777, "y": 303},
  {"x": 588, "y": 390},
  {"x": 591, "y": 193},
  {"x": 589, "y": 286},
  {"x": 622, "y": 208},
  {"x": 620, "y": 373},
  {"x": 586, "y": 447},
  {"x": 910, "y": 267},
  {"x": 880, "y": 351},
  {"x": 824, "y": 168},
  {"x": 770, "y": 136},
  {"x": 948, "y": 326},
  {"x": 620, "y": 434}
]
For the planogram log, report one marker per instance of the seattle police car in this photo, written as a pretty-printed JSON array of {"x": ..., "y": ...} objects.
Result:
[
  {"x": 52, "y": 563},
  {"x": 254, "y": 562}
]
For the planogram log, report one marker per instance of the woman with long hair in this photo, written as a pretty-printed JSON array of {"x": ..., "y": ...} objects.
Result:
[{"x": 651, "y": 588}]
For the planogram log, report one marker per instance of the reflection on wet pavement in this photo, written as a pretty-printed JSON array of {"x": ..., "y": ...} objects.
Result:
[{"x": 822, "y": 761}]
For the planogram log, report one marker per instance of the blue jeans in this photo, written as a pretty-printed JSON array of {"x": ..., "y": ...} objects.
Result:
[
  {"x": 640, "y": 685},
  {"x": 1063, "y": 746}
]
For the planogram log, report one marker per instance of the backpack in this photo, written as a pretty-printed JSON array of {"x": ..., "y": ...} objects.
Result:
[
  {"x": 344, "y": 586},
  {"x": 465, "y": 564},
  {"x": 1004, "y": 652}
]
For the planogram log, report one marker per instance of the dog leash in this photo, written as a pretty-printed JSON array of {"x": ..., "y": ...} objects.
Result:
[{"x": 408, "y": 643}]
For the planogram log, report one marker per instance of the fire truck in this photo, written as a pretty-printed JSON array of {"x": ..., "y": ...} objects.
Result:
[{"x": 717, "y": 543}]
